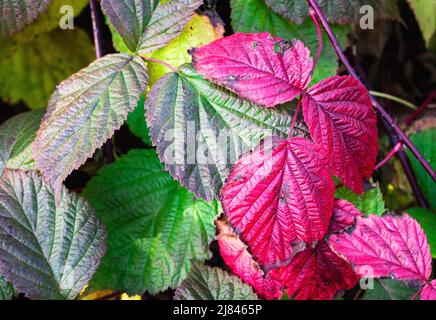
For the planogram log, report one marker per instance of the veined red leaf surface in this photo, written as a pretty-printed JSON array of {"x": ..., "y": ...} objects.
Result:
[
  {"x": 277, "y": 196},
  {"x": 386, "y": 246},
  {"x": 344, "y": 215},
  {"x": 316, "y": 274},
  {"x": 259, "y": 67},
  {"x": 341, "y": 119},
  {"x": 429, "y": 291},
  {"x": 236, "y": 256}
]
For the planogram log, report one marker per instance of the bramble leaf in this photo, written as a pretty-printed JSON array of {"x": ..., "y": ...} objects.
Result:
[
  {"x": 344, "y": 216},
  {"x": 31, "y": 69},
  {"x": 201, "y": 129},
  {"x": 336, "y": 11},
  {"x": 316, "y": 274},
  {"x": 371, "y": 201},
  {"x": 429, "y": 291},
  {"x": 143, "y": 26},
  {"x": 156, "y": 228},
  {"x": 251, "y": 16},
  {"x": 206, "y": 283},
  {"x": 341, "y": 120},
  {"x": 236, "y": 256},
  {"x": 392, "y": 246},
  {"x": 389, "y": 289},
  {"x": 16, "y": 137},
  {"x": 277, "y": 195},
  {"x": 15, "y": 15},
  {"x": 48, "y": 249},
  {"x": 7, "y": 292},
  {"x": 258, "y": 67},
  {"x": 424, "y": 141},
  {"x": 130, "y": 18},
  {"x": 84, "y": 112},
  {"x": 427, "y": 219}
]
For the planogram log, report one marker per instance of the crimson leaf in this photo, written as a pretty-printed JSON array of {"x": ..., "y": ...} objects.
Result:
[
  {"x": 341, "y": 119},
  {"x": 386, "y": 246},
  {"x": 236, "y": 256},
  {"x": 259, "y": 67},
  {"x": 279, "y": 196},
  {"x": 429, "y": 291},
  {"x": 316, "y": 274},
  {"x": 344, "y": 215}
]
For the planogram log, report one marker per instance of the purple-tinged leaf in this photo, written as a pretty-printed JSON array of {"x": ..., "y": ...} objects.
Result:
[
  {"x": 84, "y": 111},
  {"x": 259, "y": 67},
  {"x": 388, "y": 246},
  {"x": 279, "y": 196},
  {"x": 341, "y": 119}
]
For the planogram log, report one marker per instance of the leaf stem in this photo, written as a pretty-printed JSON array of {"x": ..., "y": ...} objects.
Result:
[
  {"x": 393, "y": 98},
  {"x": 294, "y": 118},
  {"x": 394, "y": 150},
  {"x": 163, "y": 63},
  {"x": 319, "y": 32},
  {"x": 409, "y": 120},
  {"x": 402, "y": 137}
]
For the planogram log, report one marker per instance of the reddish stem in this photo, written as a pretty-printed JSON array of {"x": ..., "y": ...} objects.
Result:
[
  {"x": 294, "y": 118},
  {"x": 420, "y": 110},
  {"x": 319, "y": 32},
  {"x": 160, "y": 62},
  {"x": 394, "y": 150},
  {"x": 402, "y": 137}
]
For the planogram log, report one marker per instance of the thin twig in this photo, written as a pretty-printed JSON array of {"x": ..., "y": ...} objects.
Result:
[
  {"x": 160, "y": 62},
  {"x": 393, "y": 98},
  {"x": 401, "y": 135},
  {"x": 420, "y": 110},
  {"x": 319, "y": 32},
  {"x": 394, "y": 150}
]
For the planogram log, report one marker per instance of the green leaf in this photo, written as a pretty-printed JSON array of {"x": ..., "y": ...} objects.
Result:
[
  {"x": 155, "y": 226},
  {"x": 336, "y": 11},
  {"x": 251, "y": 16},
  {"x": 130, "y": 18},
  {"x": 206, "y": 283},
  {"x": 389, "y": 289},
  {"x": 85, "y": 110},
  {"x": 15, "y": 15},
  {"x": 198, "y": 31},
  {"x": 425, "y": 12},
  {"x": 7, "y": 292},
  {"x": 49, "y": 20},
  {"x": 427, "y": 219},
  {"x": 425, "y": 142},
  {"x": 144, "y": 26},
  {"x": 49, "y": 249},
  {"x": 201, "y": 129},
  {"x": 370, "y": 202},
  {"x": 30, "y": 70},
  {"x": 137, "y": 124},
  {"x": 16, "y": 137}
]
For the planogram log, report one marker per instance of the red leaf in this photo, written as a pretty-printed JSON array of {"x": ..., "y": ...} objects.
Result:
[
  {"x": 429, "y": 291},
  {"x": 341, "y": 119},
  {"x": 236, "y": 256},
  {"x": 275, "y": 197},
  {"x": 344, "y": 215},
  {"x": 387, "y": 246},
  {"x": 258, "y": 67},
  {"x": 316, "y": 274}
]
